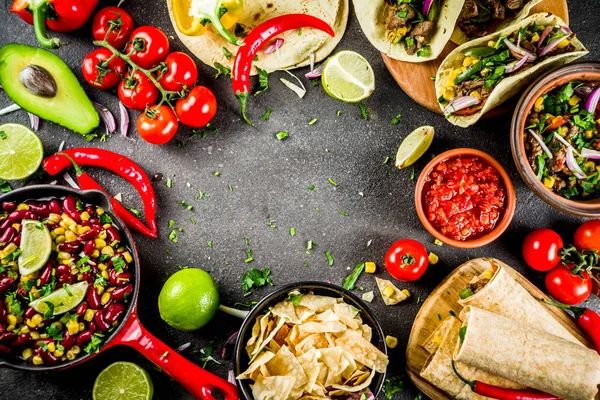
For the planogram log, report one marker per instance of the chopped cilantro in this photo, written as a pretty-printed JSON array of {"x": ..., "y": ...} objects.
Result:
[
  {"x": 173, "y": 236},
  {"x": 228, "y": 55},
  {"x": 353, "y": 277},
  {"x": 105, "y": 219},
  {"x": 310, "y": 244},
  {"x": 311, "y": 187},
  {"x": 393, "y": 384},
  {"x": 169, "y": 183},
  {"x": 256, "y": 278},
  {"x": 119, "y": 263},
  {"x": 329, "y": 258},
  {"x": 396, "y": 119},
  {"x": 222, "y": 70},
  {"x": 387, "y": 160},
  {"x": 363, "y": 111},
  {"x": 312, "y": 121},
  {"x": 263, "y": 81},
  {"x": 267, "y": 114},
  {"x": 186, "y": 205},
  {"x": 249, "y": 257},
  {"x": 334, "y": 183},
  {"x": 210, "y": 243},
  {"x": 50, "y": 311},
  {"x": 282, "y": 135},
  {"x": 344, "y": 213},
  {"x": 295, "y": 298},
  {"x": 3, "y": 135},
  {"x": 171, "y": 223},
  {"x": 292, "y": 231}
]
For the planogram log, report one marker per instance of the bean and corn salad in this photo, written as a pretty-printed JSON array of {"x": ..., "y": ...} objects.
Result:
[
  {"x": 562, "y": 140},
  {"x": 86, "y": 251}
]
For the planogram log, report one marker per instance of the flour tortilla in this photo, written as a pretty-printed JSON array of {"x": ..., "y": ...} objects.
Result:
[
  {"x": 296, "y": 47},
  {"x": 372, "y": 16},
  {"x": 513, "y": 84},
  {"x": 503, "y": 295},
  {"x": 529, "y": 356}
]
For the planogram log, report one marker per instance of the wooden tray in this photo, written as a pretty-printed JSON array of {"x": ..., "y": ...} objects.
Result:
[
  {"x": 444, "y": 299},
  {"x": 415, "y": 78}
]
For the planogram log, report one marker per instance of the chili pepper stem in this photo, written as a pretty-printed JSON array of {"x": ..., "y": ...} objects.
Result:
[
  {"x": 470, "y": 383},
  {"x": 214, "y": 19},
  {"x": 578, "y": 311},
  {"x": 39, "y": 10},
  {"x": 243, "y": 99},
  {"x": 78, "y": 170}
]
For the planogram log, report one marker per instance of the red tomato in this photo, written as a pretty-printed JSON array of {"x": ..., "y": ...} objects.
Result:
[
  {"x": 98, "y": 73},
  {"x": 406, "y": 260},
  {"x": 566, "y": 287},
  {"x": 181, "y": 72},
  {"x": 139, "y": 92},
  {"x": 540, "y": 249},
  {"x": 116, "y": 21},
  {"x": 198, "y": 108},
  {"x": 148, "y": 46},
  {"x": 158, "y": 125},
  {"x": 587, "y": 236}
]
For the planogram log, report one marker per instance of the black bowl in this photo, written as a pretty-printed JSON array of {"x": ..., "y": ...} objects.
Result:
[{"x": 325, "y": 289}]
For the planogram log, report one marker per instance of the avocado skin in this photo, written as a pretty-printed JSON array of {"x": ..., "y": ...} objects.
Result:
[{"x": 71, "y": 107}]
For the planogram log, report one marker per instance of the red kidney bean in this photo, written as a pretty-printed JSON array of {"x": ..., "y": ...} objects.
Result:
[
  {"x": 92, "y": 326},
  {"x": 19, "y": 215},
  {"x": 4, "y": 349},
  {"x": 17, "y": 240},
  {"x": 80, "y": 310},
  {"x": 87, "y": 276},
  {"x": 94, "y": 221},
  {"x": 62, "y": 269},
  {"x": 5, "y": 284},
  {"x": 112, "y": 234},
  {"x": 100, "y": 322},
  {"x": 2, "y": 327},
  {"x": 108, "y": 304},
  {"x": 21, "y": 292},
  {"x": 30, "y": 312},
  {"x": 83, "y": 338},
  {"x": 114, "y": 312},
  {"x": 9, "y": 206},
  {"x": 91, "y": 234},
  {"x": 120, "y": 292},
  {"x": 89, "y": 248},
  {"x": 8, "y": 235},
  {"x": 70, "y": 208},
  {"x": 7, "y": 336},
  {"x": 49, "y": 358},
  {"x": 93, "y": 298},
  {"x": 68, "y": 340},
  {"x": 46, "y": 274},
  {"x": 3, "y": 312},
  {"x": 67, "y": 278},
  {"x": 90, "y": 210},
  {"x": 21, "y": 339},
  {"x": 42, "y": 209},
  {"x": 55, "y": 207},
  {"x": 86, "y": 223},
  {"x": 116, "y": 279},
  {"x": 69, "y": 247}
]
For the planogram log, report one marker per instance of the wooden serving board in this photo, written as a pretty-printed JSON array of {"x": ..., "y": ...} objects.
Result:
[
  {"x": 415, "y": 78},
  {"x": 445, "y": 299}
]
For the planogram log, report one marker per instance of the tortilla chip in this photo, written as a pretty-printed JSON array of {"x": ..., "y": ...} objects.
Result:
[
  {"x": 397, "y": 297},
  {"x": 314, "y": 341},
  {"x": 363, "y": 351},
  {"x": 366, "y": 380},
  {"x": 286, "y": 364},
  {"x": 368, "y": 296},
  {"x": 367, "y": 332},
  {"x": 316, "y": 327},
  {"x": 317, "y": 303},
  {"x": 327, "y": 316},
  {"x": 272, "y": 334},
  {"x": 287, "y": 311},
  {"x": 346, "y": 314},
  {"x": 273, "y": 387},
  {"x": 262, "y": 359}
]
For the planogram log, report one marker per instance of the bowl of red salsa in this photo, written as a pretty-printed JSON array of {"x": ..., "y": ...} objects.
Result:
[{"x": 465, "y": 198}]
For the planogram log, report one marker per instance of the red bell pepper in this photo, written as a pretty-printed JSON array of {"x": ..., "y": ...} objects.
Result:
[{"x": 58, "y": 15}]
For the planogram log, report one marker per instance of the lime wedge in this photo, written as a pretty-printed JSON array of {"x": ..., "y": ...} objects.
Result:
[
  {"x": 123, "y": 381},
  {"x": 64, "y": 299},
  {"x": 348, "y": 77},
  {"x": 414, "y": 146},
  {"x": 36, "y": 246},
  {"x": 21, "y": 152}
]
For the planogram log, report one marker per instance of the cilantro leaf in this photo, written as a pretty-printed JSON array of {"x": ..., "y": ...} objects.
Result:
[
  {"x": 353, "y": 277},
  {"x": 256, "y": 278}
]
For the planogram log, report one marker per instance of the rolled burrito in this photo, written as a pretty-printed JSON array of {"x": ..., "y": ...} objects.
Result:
[
  {"x": 498, "y": 292},
  {"x": 439, "y": 372},
  {"x": 529, "y": 356}
]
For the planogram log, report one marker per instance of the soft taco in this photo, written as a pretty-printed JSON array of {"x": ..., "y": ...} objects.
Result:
[
  {"x": 408, "y": 30},
  {"x": 481, "y": 74},
  {"x": 289, "y": 50}
]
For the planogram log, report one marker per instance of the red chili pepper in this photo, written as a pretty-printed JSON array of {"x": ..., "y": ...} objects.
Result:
[
  {"x": 557, "y": 122},
  {"x": 256, "y": 39},
  {"x": 499, "y": 393},
  {"x": 587, "y": 319},
  {"x": 118, "y": 164},
  {"x": 58, "y": 15}
]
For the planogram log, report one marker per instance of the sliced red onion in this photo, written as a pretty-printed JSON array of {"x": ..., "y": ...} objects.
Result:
[
  {"x": 124, "y": 118},
  {"x": 592, "y": 101},
  {"x": 299, "y": 90},
  {"x": 584, "y": 91},
  {"x": 120, "y": 2},
  {"x": 541, "y": 142},
  {"x": 554, "y": 42},
  {"x": 9, "y": 109},
  {"x": 34, "y": 120},
  {"x": 427, "y": 6},
  {"x": 573, "y": 166},
  {"x": 591, "y": 154},
  {"x": 183, "y": 347},
  {"x": 107, "y": 118},
  {"x": 460, "y": 103},
  {"x": 563, "y": 141},
  {"x": 543, "y": 36},
  {"x": 54, "y": 182},
  {"x": 61, "y": 146},
  {"x": 515, "y": 66},
  {"x": 274, "y": 46},
  {"x": 231, "y": 377},
  {"x": 70, "y": 180},
  {"x": 315, "y": 73},
  {"x": 519, "y": 52},
  {"x": 241, "y": 314},
  {"x": 230, "y": 340}
]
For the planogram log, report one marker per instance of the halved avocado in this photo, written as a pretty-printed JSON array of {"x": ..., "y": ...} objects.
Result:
[{"x": 41, "y": 83}]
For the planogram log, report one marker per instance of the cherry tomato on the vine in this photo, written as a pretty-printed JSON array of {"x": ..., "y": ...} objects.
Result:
[
  {"x": 137, "y": 92},
  {"x": 198, "y": 108},
  {"x": 587, "y": 236},
  {"x": 148, "y": 46},
  {"x": 180, "y": 72},
  {"x": 116, "y": 21},
  {"x": 540, "y": 249},
  {"x": 157, "y": 125},
  {"x": 100, "y": 74},
  {"x": 406, "y": 260},
  {"x": 567, "y": 287}
]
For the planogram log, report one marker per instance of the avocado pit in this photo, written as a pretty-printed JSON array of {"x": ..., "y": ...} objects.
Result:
[{"x": 38, "y": 81}]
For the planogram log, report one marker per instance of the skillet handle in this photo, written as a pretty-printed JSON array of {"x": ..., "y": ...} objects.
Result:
[{"x": 194, "y": 379}]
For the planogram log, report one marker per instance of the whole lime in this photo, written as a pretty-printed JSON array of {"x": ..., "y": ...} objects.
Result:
[{"x": 189, "y": 299}]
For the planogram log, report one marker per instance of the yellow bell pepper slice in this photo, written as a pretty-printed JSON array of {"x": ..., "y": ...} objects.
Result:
[{"x": 209, "y": 11}]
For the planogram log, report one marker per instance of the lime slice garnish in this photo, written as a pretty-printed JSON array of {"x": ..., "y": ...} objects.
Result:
[
  {"x": 21, "y": 152},
  {"x": 348, "y": 77},
  {"x": 414, "y": 146},
  {"x": 123, "y": 381},
  {"x": 64, "y": 299},
  {"x": 36, "y": 246}
]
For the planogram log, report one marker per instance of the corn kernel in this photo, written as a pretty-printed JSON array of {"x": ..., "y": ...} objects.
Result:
[
  {"x": 437, "y": 340},
  {"x": 17, "y": 227},
  {"x": 37, "y": 360},
  {"x": 370, "y": 267},
  {"x": 51, "y": 347},
  {"x": 388, "y": 291},
  {"x": 59, "y": 353},
  {"x": 73, "y": 327},
  {"x": 564, "y": 43},
  {"x": 121, "y": 249},
  {"x": 105, "y": 298},
  {"x": 391, "y": 341},
  {"x": 433, "y": 258},
  {"x": 574, "y": 100},
  {"x": 468, "y": 60},
  {"x": 59, "y": 231},
  {"x": 37, "y": 318},
  {"x": 456, "y": 72},
  {"x": 70, "y": 236},
  {"x": 598, "y": 121},
  {"x": 67, "y": 261},
  {"x": 10, "y": 328},
  {"x": 54, "y": 218},
  {"x": 63, "y": 255},
  {"x": 25, "y": 329},
  {"x": 102, "y": 235},
  {"x": 100, "y": 289},
  {"x": 70, "y": 355},
  {"x": 450, "y": 83},
  {"x": 11, "y": 319},
  {"x": 27, "y": 354},
  {"x": 491, "y": 43},
  {"x": 448, "y": 94},
  {"x": 89, "y": 314},
  {"x": 60, "y": 239},
  {"x": 84, "y": 229},
  {"x": 107, "y": 250},
  {"x": 23, "y": 207},
  {"x": 68, "y": 220},
  {"x": 563, "y": 131},
  {"x": 488, "y": 274},
  {"x": 11, "y": 248},
  {"x": 63, "y": 224},
  {"x": 104, "y": 274},
  {"x": 106, "y": 226},
  {"x": 535, "y": 38},
  {"x": 74, "y": 228},
  {"x": 102, "y": 267},
  {"x": 100, "y": 243},
  {"x": 99, "y": 211},
  {"x": 476, "y": 94},
  {"x": 589, "y": 165},
  {"x": 549, "y": 182},
  {"x": 127, "y": 256},
  {"x": 589, "y": 134},
  {"x": 30, "y": 323},
  {"x": 75, "y": 349},
  {"x": 34, "y": 335},
  {"x": 81, "y": 327},
  {"x": 96, "y": 253},
  {"x": 85, "y": 216},
  {"x": 539, "y": 104}
]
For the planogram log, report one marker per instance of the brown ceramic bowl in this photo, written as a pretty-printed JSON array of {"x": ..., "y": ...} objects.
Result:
[
  {"x": 502, "y": 224},
  {"x": 582, "y": 71}
]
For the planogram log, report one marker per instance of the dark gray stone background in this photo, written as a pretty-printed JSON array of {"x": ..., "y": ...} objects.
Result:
[{"x": 270, "y": 180}]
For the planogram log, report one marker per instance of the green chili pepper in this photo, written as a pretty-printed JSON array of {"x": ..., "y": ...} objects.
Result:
[
  {"x": 465, "y": 294},
  {"x": 481, "y": 52}
]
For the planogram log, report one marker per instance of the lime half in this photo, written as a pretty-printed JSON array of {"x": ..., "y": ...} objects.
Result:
[
  {"x": 123, "y": 381},
  {"x": 348, "y": 77},
  {"x": 414, "y": 146},
  {"x": 36, "y": 246},
  {"x": 21, "y": 152},
  {"x": 64, "y": 299}
]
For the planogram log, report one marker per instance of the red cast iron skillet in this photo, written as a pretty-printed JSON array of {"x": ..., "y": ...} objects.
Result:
[{"x": 130, "y": 332}]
